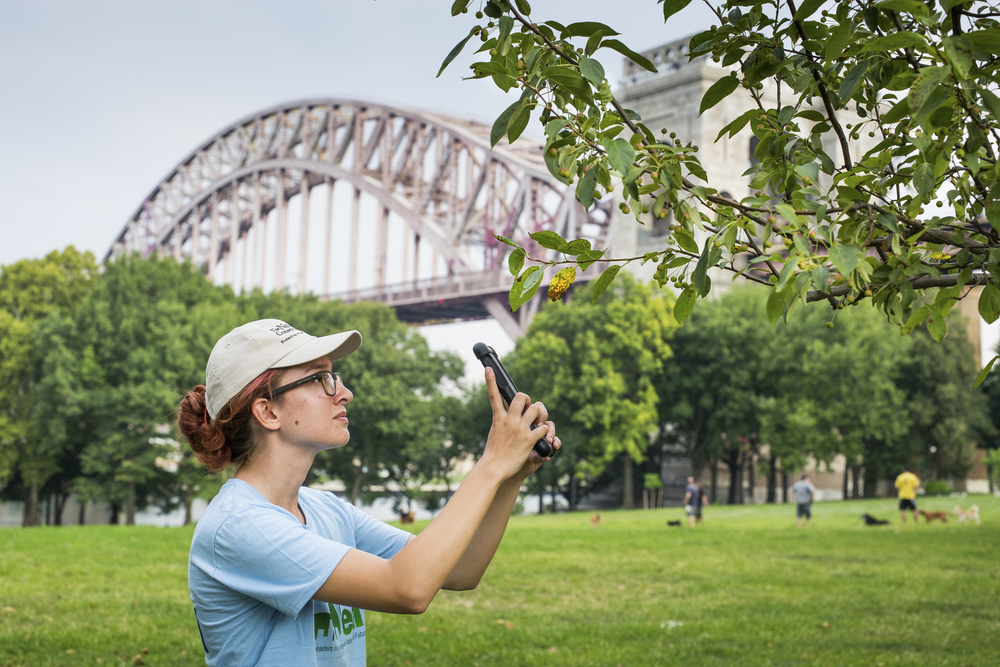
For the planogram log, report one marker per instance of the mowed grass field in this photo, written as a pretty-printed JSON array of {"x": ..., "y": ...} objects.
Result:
[{"x": 745, "y": 588}]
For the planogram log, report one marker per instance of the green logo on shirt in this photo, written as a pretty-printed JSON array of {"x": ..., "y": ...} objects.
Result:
[{"x": 340, "y": 620}]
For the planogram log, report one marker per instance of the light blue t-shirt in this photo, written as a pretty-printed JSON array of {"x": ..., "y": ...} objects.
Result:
[{"x": 254, "y": 569}]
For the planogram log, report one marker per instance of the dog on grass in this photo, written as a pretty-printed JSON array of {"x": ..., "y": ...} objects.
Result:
[
  {"x": 674, "y": 524},
  {"x": 406, "y": 517},
  {"x": 872, "y": 521},
  {"x": 595, "y": 519},
  {"x": 930, "y": 516},
  {"x": 971, "y": 514}
]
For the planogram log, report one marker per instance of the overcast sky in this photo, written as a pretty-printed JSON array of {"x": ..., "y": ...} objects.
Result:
[{"x": 99, "y": 100}]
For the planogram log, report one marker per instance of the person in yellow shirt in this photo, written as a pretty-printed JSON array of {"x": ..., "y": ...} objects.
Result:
[{"x": 907, "y": 483}]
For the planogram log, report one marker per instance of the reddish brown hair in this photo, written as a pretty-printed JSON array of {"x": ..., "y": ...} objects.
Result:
[{"x": 232, "y": 437}]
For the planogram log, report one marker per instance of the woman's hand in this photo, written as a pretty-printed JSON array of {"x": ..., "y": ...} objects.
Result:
[{"x": 511, "y": 440}]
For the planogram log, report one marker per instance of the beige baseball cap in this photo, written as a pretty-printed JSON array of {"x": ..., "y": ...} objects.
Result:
[{"x": 247, "y": 351}]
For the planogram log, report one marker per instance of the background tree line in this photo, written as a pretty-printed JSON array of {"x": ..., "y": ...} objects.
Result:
[{"x": 93, "y": 361}]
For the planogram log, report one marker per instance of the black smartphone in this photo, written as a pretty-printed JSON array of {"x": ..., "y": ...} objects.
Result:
[{"x": 507, "y": 388}]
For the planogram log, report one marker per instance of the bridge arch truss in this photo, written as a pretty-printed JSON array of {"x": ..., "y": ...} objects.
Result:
[{"x": 355, "y": 200}]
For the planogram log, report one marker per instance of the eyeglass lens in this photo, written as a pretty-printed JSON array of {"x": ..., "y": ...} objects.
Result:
[{"x": 329, "y": 381}]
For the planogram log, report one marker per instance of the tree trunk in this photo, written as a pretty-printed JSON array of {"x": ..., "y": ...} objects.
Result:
[
  {"x": 356, "y": 486},
  {"x": 772, "y": 479},
  {"x": 628, "y": 487},
  {"x": 187, "y": 511},
  {"x": 541, "y": 495},
  {"x": 784, "y": 486},
  {"x": 61, "y": 499},
  {"x": 871, "y": 483},
  {"x": 856, "y": 475},
  {"x": 752, "y": 475},
  {"x": 83, "y": 511},
  {"x": 130, "y": 505},
  {"x": 31, "y": 506},
  {"x": 735, "y": 479},
  {"x": 113, "y": 520},
  {"x": 715, "y": 481},
  {"x": 48, "y": 510},
  {"x": 846, "y": 490}
]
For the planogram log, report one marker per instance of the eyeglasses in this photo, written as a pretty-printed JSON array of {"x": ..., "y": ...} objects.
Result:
[{"x": 328, "y": 379}]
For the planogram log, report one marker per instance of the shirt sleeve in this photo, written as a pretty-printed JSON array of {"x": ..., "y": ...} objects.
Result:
[
  {"x": 266, "y": 554},
  {"x": 377, "y": 537}
]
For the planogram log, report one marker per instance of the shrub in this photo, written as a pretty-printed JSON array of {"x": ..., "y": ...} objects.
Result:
[{"x": 938, "y": 487}]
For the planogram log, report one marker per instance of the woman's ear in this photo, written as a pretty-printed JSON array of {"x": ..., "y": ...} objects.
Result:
[{"x": 265, "y": 416}]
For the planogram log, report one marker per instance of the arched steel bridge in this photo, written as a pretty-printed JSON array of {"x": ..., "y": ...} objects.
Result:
[{"x": 411, "y": 201}]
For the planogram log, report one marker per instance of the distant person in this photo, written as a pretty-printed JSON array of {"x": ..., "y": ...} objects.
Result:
[
  {"x": 804, "y": 492},
  {"x": 692, "y": 501},
  {"x": 907, "y": 483}
]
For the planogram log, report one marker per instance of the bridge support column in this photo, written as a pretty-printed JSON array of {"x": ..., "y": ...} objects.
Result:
[
  {"x": 500, "y": 311},
  {"x": 280, "y": 250},
  {"x": 304, "y": 241},
  {"x": 329, "y": 225},
  {"x": 352, "y": 276},
  {"x": 213, "y": 239}
]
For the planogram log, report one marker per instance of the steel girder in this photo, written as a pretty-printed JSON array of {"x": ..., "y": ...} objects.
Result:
[{"x": 436, "y": 173}]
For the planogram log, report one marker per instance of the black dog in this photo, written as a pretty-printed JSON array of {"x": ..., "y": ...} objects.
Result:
[
  {"x": 872, "y": 521},
  {"x": 674, "y": 523}
]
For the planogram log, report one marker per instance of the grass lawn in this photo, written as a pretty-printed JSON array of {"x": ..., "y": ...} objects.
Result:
[{"x": 746, "y": 588}]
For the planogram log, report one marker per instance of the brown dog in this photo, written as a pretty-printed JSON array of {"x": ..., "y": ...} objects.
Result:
[
  {"x": 406, "y": 518},
  {"x": 930, "y": 516},
  {"x": 595, "y": 519}
]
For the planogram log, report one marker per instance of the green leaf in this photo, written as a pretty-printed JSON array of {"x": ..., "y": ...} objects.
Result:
[
  {"x": 699, "y": 277},
  {"x": 642, "y": 62},
  {"x": 504, "y": 239},
  {"x": 922, "y": 85},
  {"x": 621, "y": 155},
  {"x": 575, "y": 247},
  {"x": 455, "y": 51},
  {"x": 523, "y": 6},
  {"x": 936, "y": 325},
  {"x": 506, "y": 25},
  {"x": 852, "y": 78},
  {"x": 685, "y": 241},
  {"x": 588, "y": 28},
  {"x": 916, "y": 318},
  {"x": 788, "y": 213},
  {"x": 525, "y": 286},
  {"x": 585, "y": 187},
  {"x": 592, "y": 71},
  {"x": 605, "y": 280},
  {"x": 516, "y": 261},
  {"x": 548, "y": 239},
  {"x": 993, "y": 214},
  {"x": 986, "y": 371},
  {"x": 985, "y": 41},
  {"x": 458, "y": 6},
  {"x": 717, "y": 92},
  {"x": 684, "y": 304},
  {"x": 991, "y": 102},
  {"x": 500, "y": 124},
  {"x": 896, "y": 40},
  {"x": 787, "y": 271},
  {"x": 568, "y": 79},
  {"x": 914, "y": 7},
  {"x": 518, "y": 121},
  {"x": 777, "y": 302},
  {"x": 807, "y": 9},
  {"x": 923, "y": 179},
  {"x": 671, "y": 7},
  {"x": 735, "y": 126},
  {"x": 845, "y": 258},
  {"x": 989, "y": 303}
]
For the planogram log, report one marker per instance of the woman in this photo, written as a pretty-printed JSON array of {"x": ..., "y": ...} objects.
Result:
[{"x": 280, "y": 573}]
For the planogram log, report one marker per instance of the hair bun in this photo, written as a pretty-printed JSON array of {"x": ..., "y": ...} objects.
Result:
[{"x": 207, "y": 441}]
